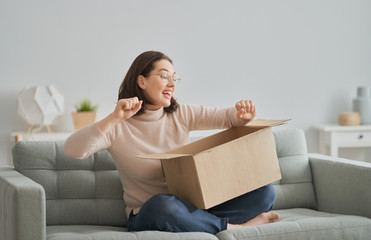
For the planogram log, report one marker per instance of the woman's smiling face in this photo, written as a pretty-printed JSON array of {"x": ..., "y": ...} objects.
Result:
[{"x": 159, "y": 85}]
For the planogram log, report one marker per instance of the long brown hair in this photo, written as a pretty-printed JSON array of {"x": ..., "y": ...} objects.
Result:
[{"x": 143, "y": 65}]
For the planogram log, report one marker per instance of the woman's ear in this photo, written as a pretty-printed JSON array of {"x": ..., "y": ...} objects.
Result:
[{"x": 140, "y": 81}]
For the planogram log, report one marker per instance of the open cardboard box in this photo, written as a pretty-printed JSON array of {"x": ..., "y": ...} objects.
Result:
[{"x": 222, "y": 166}]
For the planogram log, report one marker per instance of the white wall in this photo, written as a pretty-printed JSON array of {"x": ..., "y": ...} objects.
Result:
[{"x": 297, "y": 59}]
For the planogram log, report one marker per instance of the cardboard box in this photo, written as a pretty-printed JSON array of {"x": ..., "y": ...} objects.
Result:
[{"x": 223, "y": 166}]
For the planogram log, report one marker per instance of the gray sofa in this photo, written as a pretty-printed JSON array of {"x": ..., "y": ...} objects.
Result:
[{"x": 50, "y": 196}]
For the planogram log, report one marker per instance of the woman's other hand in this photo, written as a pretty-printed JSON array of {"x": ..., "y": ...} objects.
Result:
[{"x": 246, "y": 110}]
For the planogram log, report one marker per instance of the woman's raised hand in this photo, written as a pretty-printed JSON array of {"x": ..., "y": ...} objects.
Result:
[
  {"x": 246, "y": 110},
  {"x": 126, "y": 108}
]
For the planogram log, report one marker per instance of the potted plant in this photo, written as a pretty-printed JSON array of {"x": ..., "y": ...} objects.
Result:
[{"x": 85, "y": 114}]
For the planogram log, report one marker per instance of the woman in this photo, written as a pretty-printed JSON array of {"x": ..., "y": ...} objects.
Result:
[{"x": 147, "y": 119}]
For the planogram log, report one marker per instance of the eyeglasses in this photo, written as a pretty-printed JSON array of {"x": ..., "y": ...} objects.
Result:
[{"x": 166, "y": 76}]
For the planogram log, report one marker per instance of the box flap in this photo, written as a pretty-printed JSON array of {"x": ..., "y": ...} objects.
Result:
[
  {"x": 163, "y": 155},
  {"x": 266, "y": 122},
  {"x": 210, "y": 142}
]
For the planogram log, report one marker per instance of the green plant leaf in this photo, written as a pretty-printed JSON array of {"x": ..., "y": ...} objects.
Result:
[{"x": 85, "y": 105}]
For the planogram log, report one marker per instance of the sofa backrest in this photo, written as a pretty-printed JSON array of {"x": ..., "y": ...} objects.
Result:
[
  {"x": 295, "y": 189},
  {"x": 89, "y": 191},
  {"x": 85, "y": 191}
]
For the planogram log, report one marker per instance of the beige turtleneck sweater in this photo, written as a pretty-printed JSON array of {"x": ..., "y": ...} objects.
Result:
[{"x": 152, "y": 132}]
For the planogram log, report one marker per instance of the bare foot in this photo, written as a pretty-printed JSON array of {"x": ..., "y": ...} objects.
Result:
[{"x": 266, "y": 217}]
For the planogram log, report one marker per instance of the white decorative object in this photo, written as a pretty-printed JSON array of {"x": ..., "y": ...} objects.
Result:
[{"x": 40, "y": 106}]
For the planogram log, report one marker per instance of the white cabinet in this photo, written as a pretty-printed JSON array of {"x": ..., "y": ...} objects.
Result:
[{"x": 333, "y": 137}]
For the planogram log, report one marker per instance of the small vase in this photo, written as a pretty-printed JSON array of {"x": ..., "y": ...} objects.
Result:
[
  {"x": 362, "y": 104},
  {"x": 349, "y": 119}
]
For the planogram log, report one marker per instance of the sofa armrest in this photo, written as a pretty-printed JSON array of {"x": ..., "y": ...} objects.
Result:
[
  {"x": 341, "y": 185},
  {"x": 22, "y": 207}
]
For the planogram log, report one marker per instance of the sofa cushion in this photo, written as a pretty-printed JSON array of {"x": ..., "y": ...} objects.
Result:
[
  {"x": 85, "y": 191},
  {"x": 295, "y": 189},
  {"x": 305, "y": 224},
  {"x": 117, "y": 233}
]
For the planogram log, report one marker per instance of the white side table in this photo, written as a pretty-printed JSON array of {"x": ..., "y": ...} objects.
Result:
[
  {"x": 333, "y": 137},
  {"x": 39, "y": 136}
]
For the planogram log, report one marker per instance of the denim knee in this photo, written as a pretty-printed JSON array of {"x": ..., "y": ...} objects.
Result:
[
  {"x": 155, "y": 214},
  {"x": 166, "y": 212},
  {"x": 269, "y": 193},
  {"x": 163, "y": 204}
]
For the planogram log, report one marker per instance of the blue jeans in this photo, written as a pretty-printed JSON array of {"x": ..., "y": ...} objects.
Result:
[{"x": 166, "y": 212}]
